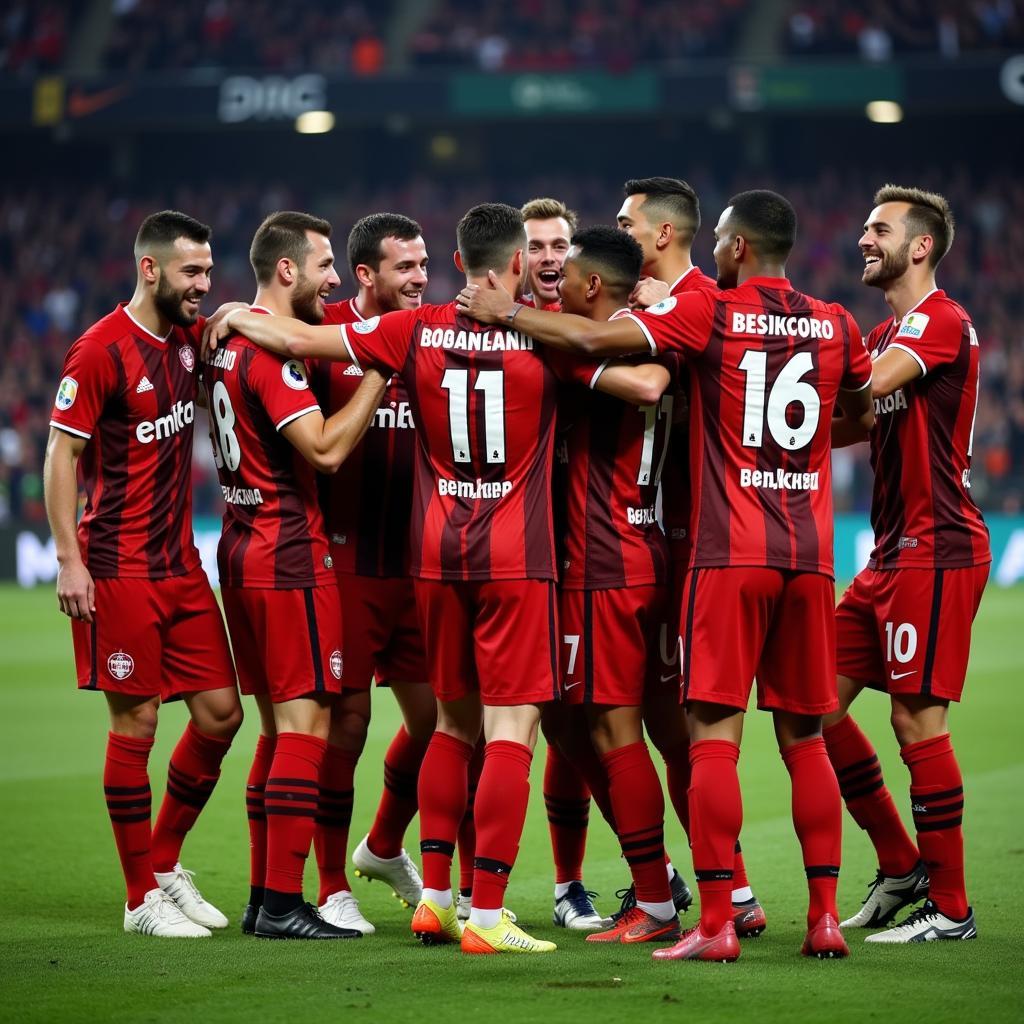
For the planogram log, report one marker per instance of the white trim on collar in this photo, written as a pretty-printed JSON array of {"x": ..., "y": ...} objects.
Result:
[{"x": 146, "y": 330}]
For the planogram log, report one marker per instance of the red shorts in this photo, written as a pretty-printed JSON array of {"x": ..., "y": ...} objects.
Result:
[
  {"x": 382, "y": 633},
  {"x": 609, "y": 644},
  {"x": 777, "y": 626},
  {"x": 287, "y": 643},
  {"x": 153, "y": 638},
  {"x": 499, "y": 637},
  {"x": 668, "y": 662},
  {"x": 909, "y": 630}
]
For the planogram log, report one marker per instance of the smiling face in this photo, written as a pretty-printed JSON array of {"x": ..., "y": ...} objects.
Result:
[
  {"x": 884, "y": 245},
  {"x": 401, "y": 279},
  {"x": 184, "y": 280},
  {"x": 547, "y": 244},
  {"x": 726, "y": 263},
  {"x": 316, "y": 279},
  {"x": 573, "y": 285}
]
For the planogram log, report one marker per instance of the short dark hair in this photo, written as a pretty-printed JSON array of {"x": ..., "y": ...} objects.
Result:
[
  {"x": 367, "y": 234},
  {"x": 671, "y": 197},
  {"x": 163, "y": 229},
  {"x": 929, "y": 214},
  {"x": 767, "y": 221},
  {"x": 616, "y": 256},
  {"x": 283, "y": 235},
  {"x": 488, "y": 235}
]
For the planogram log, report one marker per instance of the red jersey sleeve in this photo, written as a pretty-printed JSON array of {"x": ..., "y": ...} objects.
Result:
[
  {"x": 857, "y": 372},
  {"x": 932, "y": 338},
  {"x": 570, "y": 368},
  {"x": 681, "y": 322},
  {"x": 381, "y": 340},
  {"x": 89, "y": 379},
  {"x": 282, "y": 387}
]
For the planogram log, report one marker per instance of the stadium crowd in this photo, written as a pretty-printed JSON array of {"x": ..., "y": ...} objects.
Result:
[
  {"x": 362, "y": 39},
  {"x": 63, "y": 266}
]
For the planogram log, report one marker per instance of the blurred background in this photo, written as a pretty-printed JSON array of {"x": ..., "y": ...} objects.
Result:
[{"x": 111, "y": 109}]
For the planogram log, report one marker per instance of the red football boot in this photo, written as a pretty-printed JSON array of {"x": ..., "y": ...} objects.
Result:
[
  {"x": 723, "y": 947},
  {"x": 749, "y": 918},
  {"x": 825, "y": 940}
]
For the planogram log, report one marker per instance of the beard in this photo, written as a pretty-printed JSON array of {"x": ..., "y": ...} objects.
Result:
[
  {"x": 306, "y": 304},
  {"x": 891, "y": 267},
  {"x": 168, "y": 302}
]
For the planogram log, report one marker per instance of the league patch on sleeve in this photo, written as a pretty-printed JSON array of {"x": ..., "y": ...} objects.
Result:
[
  {"x": 293, "y": 373},
  {"x": 66, "y": 394},
  {"x": 365, "y": 326},
  {"x": 913, "y": 325},
  {"x": 665, "y": 306}
]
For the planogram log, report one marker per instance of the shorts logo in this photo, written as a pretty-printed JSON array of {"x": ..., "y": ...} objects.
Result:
[
  {"x": 120, "y": 665},
  {"x": 663, "y": 307},
  {"x": 187, "y": 356},
  {"x": 366, "y": 326},
  {"x": 293, "y": 373},
  {"x": 337, "y": 664},
  {"x": 67, "y": 393}
]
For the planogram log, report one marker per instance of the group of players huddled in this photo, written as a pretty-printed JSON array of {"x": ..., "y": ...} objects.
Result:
[{"x": 590, "y": 495}]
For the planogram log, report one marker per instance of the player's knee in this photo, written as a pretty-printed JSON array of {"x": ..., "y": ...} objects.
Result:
[
  {"x": 221, "y": 719},
  {"x": 905, "y": 725},
  {"x": 138, "y": 721}
]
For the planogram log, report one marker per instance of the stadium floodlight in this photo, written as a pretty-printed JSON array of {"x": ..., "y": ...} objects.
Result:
[
  {"x": 884, "y": 112},
  {"x": 314, "y": 122}
]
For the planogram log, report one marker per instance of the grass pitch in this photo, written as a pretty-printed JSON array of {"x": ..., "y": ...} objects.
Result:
[{"x": 65, "y": 958}]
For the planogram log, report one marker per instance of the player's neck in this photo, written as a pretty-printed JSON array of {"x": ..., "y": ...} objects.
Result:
[
  {"x": 274, "y": 302},
  {"x": 670, "y": 268},
  {"x": 510, "y": 282},
  {"x": 749, "y": 270},
  {"x": 604, "y": 307},
  {"x": 907, "y": 291},
  {"x": 143, "y": 310},
  {"x": 367, "y": 305}
]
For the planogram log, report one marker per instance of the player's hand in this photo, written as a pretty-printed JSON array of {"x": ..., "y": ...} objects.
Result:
[
  {"x": 76, "y": 592},
  {"x": 649, "y": 291},
  {"x": 487, "y": 305},
  {"x": 215, "y": 330}
]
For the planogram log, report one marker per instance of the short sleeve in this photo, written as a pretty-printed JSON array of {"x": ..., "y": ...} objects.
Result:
[
  {"x": 931, "y": 338},
  {"x": 570, "y": 368},
  {"x": 679, "y": 323},
  {"x": 282, "y": 387},
  {"x": 857, "y": 372},
  {"x": 89, "y": 380},
  {"x": 381, "y": 340}
]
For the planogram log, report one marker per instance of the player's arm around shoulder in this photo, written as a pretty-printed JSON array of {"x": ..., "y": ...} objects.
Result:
[
  {"x": 282, "y": 335},
  {"x": 855, "y": 408},
  {"x": 325, "y": 444},
  {"x": 636, "y": 383}
]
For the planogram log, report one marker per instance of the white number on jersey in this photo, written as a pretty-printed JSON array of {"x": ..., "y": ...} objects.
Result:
[
  {"x": 652, "y": 414},
  {"x": 786, "y": 390},
  {"x": 226, "y": 449},
  {"x": 492, "y": 384}
]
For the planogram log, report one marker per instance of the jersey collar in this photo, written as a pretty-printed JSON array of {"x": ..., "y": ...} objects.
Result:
[
  {"x": 145, "y": 330},
  {"x": 917, "y": 305},
  {"x": 681, "y": 278},
  {"x": 781, "y": 283}
]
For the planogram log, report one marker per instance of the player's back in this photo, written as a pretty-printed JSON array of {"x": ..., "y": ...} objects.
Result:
[
  {"x": 273, "y": 533},
  {"x": 483, "y": 400},
  {"x": 768, "y": 363},
  {"x": 367, "y": 504},
  {"x": 132, "y": 394},
  {"x": 922, "y": 510}
]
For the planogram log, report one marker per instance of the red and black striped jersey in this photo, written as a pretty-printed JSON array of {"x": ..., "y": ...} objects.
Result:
[
  {"x": 367, "y": 504},
  {"x": 922, "y": 511},
  {"x": 766, "y": 365},
  {"x": 132, "y": 394},
  {"x": 675, "y": 480},
  {"x": 273, "y": 534},
  {"x": 483, "y": 400},
  {"x": 615, "y": 453}
]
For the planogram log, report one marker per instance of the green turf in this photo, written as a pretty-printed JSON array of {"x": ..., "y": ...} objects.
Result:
[{"x": 64, "y": 956}]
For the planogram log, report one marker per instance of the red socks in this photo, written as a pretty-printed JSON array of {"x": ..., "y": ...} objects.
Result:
[
  {"x": 639, "y": 808},
  {"x": 716, "y": 815},
  {"x": 443, "y": 788},
  {"x": 500, "y": 814},
  {"x": 398, "y": 804},
  {"x": 818, "y": 820},
  {"x": 126, "y": 788},
  {"x": 290, "y": 801},
  {"x": 191, "y": 776},
  {"x": 467, "y": 829},
  {"x": 333, "y": 817},
  {"x": 254, "y": 788},
  {"x": 567, "y": 800},
  {"x": 677, "y": 777},
  {"x": 937, "y": 797},
  {"x": 867, "y": 798}
]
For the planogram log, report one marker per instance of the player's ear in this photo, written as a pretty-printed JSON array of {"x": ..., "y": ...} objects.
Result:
[
  {"x": 458, "y": 262},
  {"x": 665, "y": 235},
  {"x": 593, "y": 286},
  {"x": 286, "y": 271},
  {"x": 149, "y": 269},
  {"x": 922, "y": 248},
  {"x": 364, "y": 275},
  {"x": 739, "y": 248},
  {"x": 517, "y": 262}
]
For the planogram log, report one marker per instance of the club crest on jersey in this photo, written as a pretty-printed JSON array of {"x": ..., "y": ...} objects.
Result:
[
  {"x": 337, "y": 664},
  {"x": 293, "y": 373},
  {"x": 187, "y": 356},
  {"x": 328, "y": 562},
  {"x": 67, "y": 393},
  {"x": 913, "y": 325},
  {"x": 663, "y": 307},
  {"x": 366, "y": 326},
  {"x": 120, "y": 665}
]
